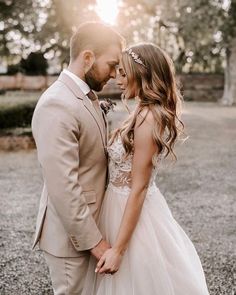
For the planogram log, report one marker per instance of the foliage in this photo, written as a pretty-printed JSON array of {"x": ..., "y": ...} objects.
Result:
[
  {"x": 34, "y": 64},
  {"x": 17, "y": 116},
  {"x": 13, "y": 69},
  {"x": 62, "y": 20},
  {"x": 196, "y": 33},
  {"x": 16, "y": 109},
  {"x": 193, "y": 32},
  {"x": 18, "y": 24}
]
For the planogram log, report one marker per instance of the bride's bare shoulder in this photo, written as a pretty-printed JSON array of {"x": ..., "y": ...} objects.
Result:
[
  {"x": 143, "y": 134},
  {"x": 145, "y": 118}
]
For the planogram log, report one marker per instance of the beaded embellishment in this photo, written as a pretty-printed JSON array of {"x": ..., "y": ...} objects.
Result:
[{"x": 135, "y": 57}]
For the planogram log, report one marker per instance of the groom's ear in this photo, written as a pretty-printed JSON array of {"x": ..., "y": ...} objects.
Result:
[{"x": 89, "y": 59}]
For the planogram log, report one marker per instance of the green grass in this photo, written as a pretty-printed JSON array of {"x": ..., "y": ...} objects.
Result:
[
  {"x": 16, "y": 109},
  {"x": 15, "y": 98}
]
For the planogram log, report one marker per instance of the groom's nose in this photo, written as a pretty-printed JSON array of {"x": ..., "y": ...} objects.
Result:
[{"x": 113, "y": 73}]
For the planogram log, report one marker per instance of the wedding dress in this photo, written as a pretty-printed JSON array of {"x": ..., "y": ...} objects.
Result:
[{"x": 160, "y": 259}]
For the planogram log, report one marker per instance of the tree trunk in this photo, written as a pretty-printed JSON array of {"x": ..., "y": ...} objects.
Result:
[{"x": 229, "y": 95}]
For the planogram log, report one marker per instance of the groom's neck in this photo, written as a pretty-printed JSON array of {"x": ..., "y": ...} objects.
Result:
[{"x": 76, "y": 69}]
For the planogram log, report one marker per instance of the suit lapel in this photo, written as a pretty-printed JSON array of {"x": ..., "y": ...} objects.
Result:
[
  {"x": 65, "y": 79},
  {"x": 89, "y": 106},
  {"x": 106, "y": 126}
]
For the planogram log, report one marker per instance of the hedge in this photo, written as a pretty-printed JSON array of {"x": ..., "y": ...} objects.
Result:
[{"x": 17, "y": 116}]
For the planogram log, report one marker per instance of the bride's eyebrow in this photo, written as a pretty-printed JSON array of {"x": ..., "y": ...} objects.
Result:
[{"x": 113, "y": 63}]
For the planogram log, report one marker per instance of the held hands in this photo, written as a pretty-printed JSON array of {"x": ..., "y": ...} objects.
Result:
[
  {"x": 100, "y": 249},
  {"x": 109, "y": 262}
]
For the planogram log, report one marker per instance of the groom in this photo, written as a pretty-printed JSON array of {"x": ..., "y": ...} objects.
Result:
[{"x": 69, "y": 129}]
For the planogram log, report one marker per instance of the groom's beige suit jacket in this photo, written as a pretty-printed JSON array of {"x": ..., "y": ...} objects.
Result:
[{"x": 70, "y": 137}]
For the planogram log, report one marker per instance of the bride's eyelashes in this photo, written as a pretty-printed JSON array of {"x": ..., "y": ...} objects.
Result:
[{"x": 122, "y": 72}]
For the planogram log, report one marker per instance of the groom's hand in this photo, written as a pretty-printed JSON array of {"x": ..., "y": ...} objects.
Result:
[
  {"x": 100, "y": 249},
  {"x": 109, "y": 262}
]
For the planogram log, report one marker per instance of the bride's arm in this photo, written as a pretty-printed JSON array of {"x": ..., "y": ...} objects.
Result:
[{"x": 144, "y": 149}]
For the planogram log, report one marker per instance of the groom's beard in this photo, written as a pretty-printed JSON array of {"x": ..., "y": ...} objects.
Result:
[{"x": 92, "y": 79}]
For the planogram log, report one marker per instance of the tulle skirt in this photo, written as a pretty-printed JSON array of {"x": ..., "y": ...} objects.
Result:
[{"x": 160, "y": 258}]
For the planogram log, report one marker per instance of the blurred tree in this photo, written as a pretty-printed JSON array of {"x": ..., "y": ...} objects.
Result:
[
  {"x": 229, "y": 36},
  {"x": 198, "y": 34},
  {"x": 13, "y": 69},
  {"x": 18, "y": 24},
  {"x": 209, "y": 36},
  {"x": 31, "y": 25},
  {"x": 62, "y": 19},
  {"x": 187, "y": 30},
  {"x": 34, "y": 64}
]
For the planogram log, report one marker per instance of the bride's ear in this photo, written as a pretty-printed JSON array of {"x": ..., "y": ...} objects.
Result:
[{"x": 88, "y": 59}]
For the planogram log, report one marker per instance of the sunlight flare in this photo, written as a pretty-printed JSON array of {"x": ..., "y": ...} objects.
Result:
[{"x": 107, "y": 10}]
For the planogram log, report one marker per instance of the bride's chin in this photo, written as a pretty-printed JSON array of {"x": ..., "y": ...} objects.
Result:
[{"x": 125, "y": 96}]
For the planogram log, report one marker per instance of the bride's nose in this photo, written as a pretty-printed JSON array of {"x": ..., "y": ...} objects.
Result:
[{"x": 118, "y": 80}]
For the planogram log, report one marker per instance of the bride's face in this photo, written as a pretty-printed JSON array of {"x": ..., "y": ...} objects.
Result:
[{"x": 122, "y": 82}]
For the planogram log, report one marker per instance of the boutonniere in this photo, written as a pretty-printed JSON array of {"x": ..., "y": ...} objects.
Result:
[{"x": 107, "y": 104}]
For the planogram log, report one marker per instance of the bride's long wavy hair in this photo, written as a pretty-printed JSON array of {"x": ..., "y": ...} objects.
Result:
[{"x": 154, "y": 83}]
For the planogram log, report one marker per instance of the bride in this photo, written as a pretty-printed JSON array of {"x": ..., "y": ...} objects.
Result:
[{"x": 150, "y": 253}]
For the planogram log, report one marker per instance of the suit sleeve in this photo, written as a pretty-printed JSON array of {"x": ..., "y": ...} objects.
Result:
[{"x": 56, "y": 132}]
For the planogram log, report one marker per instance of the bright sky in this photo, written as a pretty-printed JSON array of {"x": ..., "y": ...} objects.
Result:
[{"x": 107, "y": 10}]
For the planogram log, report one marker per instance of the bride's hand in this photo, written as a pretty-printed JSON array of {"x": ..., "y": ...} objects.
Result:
[{"x": 109, "y": 262}]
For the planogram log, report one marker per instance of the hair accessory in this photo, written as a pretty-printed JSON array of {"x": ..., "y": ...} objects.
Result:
[{"x": 135, "y": 57}]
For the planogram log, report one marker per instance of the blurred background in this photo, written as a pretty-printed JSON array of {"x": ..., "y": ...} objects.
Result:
[
  {"x": 199, "y": 35},
  {"x": 200, "y": 188}
]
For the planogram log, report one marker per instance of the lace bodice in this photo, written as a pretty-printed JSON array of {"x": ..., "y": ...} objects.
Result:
[{"x": 120, "y": 166}]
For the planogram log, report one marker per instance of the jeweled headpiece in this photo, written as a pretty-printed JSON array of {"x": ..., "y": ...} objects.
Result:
[{"x": 135, "y": 57}]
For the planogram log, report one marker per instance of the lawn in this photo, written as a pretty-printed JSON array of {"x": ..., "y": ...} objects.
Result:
[
  {"x": 200, "y": 190},
  {"x": 16, "y": 98}
]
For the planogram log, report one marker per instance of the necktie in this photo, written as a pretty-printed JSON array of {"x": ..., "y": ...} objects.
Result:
[{"x": 91, "y": 95}]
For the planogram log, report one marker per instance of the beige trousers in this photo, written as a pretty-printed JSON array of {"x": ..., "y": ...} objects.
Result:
[{"x": 67, "y": 274}]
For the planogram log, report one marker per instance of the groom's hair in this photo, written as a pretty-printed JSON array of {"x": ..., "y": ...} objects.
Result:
[{"x": 95, "y": 36}]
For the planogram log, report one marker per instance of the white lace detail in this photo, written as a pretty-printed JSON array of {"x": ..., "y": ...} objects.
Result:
[
  {"x": 125, "y": 190},
  {"x": 120, "y": 166}
]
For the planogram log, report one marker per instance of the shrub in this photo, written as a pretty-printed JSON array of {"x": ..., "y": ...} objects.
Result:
[
  {"x": 17, "y": 116},
  {"x": 34, "y": 64},
  {"x": 13, "y": 69}
]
